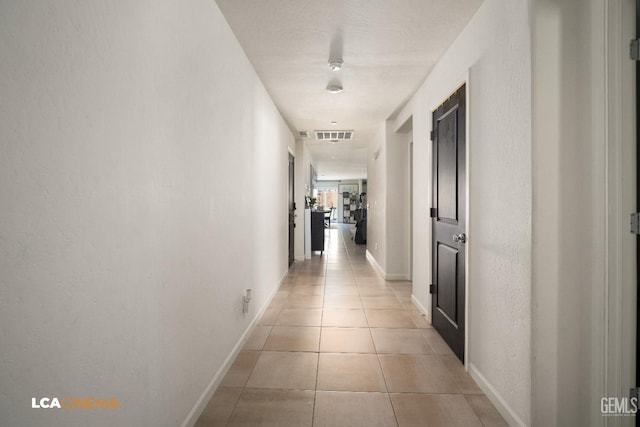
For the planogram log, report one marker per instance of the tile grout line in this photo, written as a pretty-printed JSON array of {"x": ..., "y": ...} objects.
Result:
[
  {"x": 235, "y": 405},
  {"x": 384, "y": 377},
  {"x": 315, "y": 391},
  {"x": 337, "y": 271}
]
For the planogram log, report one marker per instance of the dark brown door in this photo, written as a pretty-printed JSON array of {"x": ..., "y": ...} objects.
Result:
[
  {"x": 448, "y": 221},
  {"x": 292, "y": 209}
]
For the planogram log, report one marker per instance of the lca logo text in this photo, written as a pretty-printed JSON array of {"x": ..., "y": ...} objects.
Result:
[
  {"x": 73, "y": 403},
  {"x": 616, "y": 406}
]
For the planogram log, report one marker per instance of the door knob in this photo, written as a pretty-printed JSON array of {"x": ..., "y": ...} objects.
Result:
[{"x": 460, "y": 238}]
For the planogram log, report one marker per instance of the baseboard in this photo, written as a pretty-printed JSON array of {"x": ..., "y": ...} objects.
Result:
[
  {"x": 194, "y": 414},
  {"x": 397, "y": 277},
  {"x": 421, "y": 308},
  {"x": 383, "y": 273},
  {"x": 375, "y": 264},
  {"x": 492, "y": 394}
]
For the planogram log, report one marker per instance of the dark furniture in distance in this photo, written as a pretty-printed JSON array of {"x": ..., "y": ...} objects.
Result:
[
  {"x": 361, "y": 226},
  {"x": 317, "y": 230},
  {"x": 361, "y": 232},
  {"x": 360, "y": 214}
]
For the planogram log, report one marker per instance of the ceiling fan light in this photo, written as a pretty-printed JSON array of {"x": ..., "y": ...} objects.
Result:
[
  {"x": 334, "y": 88},
  {"x": 335, "y": 64}
]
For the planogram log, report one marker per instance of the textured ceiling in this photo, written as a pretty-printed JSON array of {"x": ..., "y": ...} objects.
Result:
[{"x": 388, "y": 48}]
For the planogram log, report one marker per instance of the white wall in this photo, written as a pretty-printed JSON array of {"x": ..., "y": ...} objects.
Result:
[
  {"x": 376, "y": 198},
  {"x": 583, "y": 192},
  {"x": 492, "y": 54},
  {"x": 388, "y": 199},
  {"x": 397, "y": 205},
  {"x": 135, "y": 139},
  {"x": 328, "y": 185},
  {"x": 303, "y": 162}
]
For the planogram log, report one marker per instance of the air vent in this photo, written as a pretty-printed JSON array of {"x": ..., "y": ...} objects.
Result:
[
  {"x": 334, "y": 135},
  {"x": 303, "y": 134}
]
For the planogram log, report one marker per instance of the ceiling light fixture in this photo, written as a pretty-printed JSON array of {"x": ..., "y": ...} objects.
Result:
[
  {"x": 334, "y": 88},
  {"x": 334, "y": 123},
  {"x": 335, "y": 64}
]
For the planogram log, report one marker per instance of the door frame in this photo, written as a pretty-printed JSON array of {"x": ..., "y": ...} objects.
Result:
[{"x": 620, "y": 338}]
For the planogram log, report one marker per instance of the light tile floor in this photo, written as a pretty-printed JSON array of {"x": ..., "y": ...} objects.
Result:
[{"x": 340, "y": 346}]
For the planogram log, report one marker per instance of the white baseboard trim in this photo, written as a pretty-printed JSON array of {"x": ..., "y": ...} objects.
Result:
[
  {"x": 196, "y": 411},
  {"x": 383, "y": 273},
  {"x": 421, "y": 308},
  {"x": 375, "y": 264},
  {"x": 396, "y": 277},
  {"x": 492, "y": 394}
]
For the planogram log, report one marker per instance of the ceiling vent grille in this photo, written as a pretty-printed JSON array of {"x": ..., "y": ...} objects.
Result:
[
  {"x": 303, "y": 134},
  {"x": 334, "y": 135}
]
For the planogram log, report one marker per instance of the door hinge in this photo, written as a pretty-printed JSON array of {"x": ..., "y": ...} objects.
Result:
[
  {"x": 432, "y": 136},
  {"x": 635, "y": 223},
  {"x": 634, "y": 50},
  {"x": 433, "y": 213},
  {"x": 432, "y": 289}
]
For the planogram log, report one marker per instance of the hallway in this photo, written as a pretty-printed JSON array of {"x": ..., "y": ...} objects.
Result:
[{"x": 339, "y": 346}]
